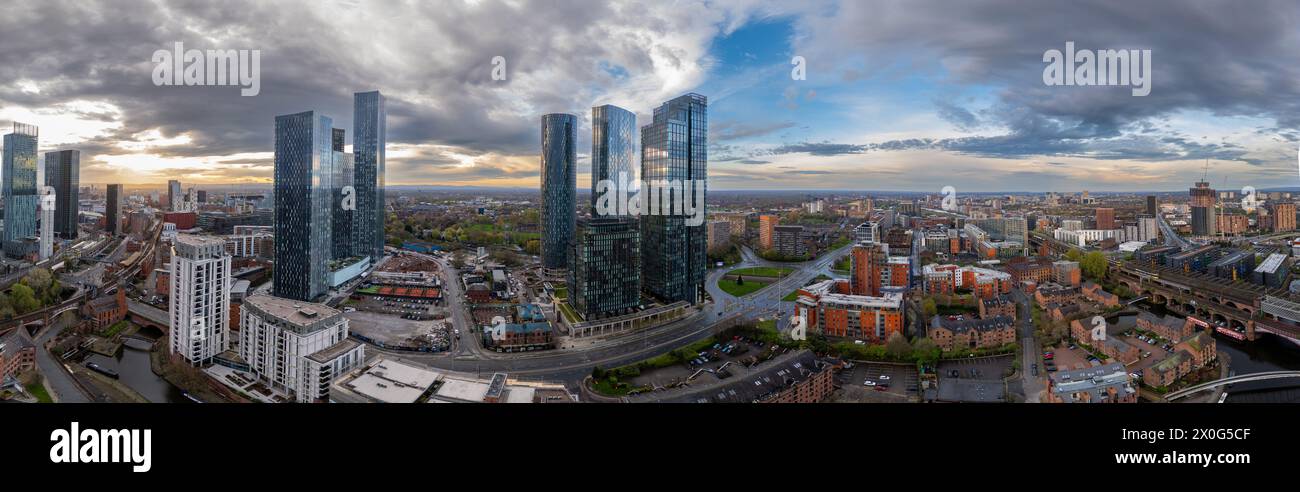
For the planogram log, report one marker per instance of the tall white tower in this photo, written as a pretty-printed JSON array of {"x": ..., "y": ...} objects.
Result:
[
  {"x": 200, "y": 298},
  {"x": 47, "y": 221}
]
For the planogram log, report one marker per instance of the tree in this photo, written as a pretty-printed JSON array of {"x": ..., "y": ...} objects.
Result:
[
  {"x": 24, "y": 300},
  {"x": 1094, "y": 265},
  {"x": 740, "y": 280},
  {"x": 926, "y": 350},
  {"x": 897, "y": 346},
  {"x": 1073, "y": 254},
  {"x": 929, "y": 307}
]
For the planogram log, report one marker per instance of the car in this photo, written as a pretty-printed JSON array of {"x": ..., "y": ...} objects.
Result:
[
  {"x": 955, "y": 374},
  {"x": 1146, "y": 354},
  {"x": 1133, "y": 375},
  {"x": 868, "y": 383},
  {"x": 884, "y": 377}
]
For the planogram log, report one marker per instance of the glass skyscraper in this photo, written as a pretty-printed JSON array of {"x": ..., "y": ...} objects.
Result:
[
  {"x": 369, "y": 135},
  {"x": 19, "y": 187},
  {"x": 113, "y": 209},
  {"x": 613, "y": 142},
  {"x": 341, "y": 231},
  {"x": 559, "y": 188},
  {"x": 605, "y": 257},
  {"x": 674, "y": 146},
  {"x": 605, "y": 279},
  {"x": 63, "y": 173},
  {"x": 174, "y": 194},
  {"x": 304, "y": 191}
]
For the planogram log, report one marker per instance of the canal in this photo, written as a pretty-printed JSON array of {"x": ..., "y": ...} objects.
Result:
[
  {"x": 132, "y": 366},
  {"x": 1268, "y": 353}
]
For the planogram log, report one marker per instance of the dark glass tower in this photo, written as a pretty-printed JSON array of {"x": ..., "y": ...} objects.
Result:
[
  {"x": 113, "y": 210},
  {"x": 303, "y": 192},
  {"x": 605, "y": 277},
  {"x": 173, "y": 193},
  {"x": 341, "y": 231},
  {"x": 674, "y": 147},
  {"x": 369, "y": 134},
  {"x": 19, "y": 187},
  {"x": 605, "y": 258},
  {"x": 63, "y": 173},
  {"x": 559, "y": 188}
]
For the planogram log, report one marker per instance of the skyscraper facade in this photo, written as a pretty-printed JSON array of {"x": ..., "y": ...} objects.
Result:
[
  {"x": 674, "y": 147},
  {"x": 1153, "y": 206},
  {"x": 1203, "y": 200},
  {"x": 605, "y": 256},
  {"x": 559, "y": 188},
  {"x": 1105, "y": 218},
  {"x": 174, "y": 195},
  {"x": 63, "y": 172},
  {"x": 369, "y": 136},
  {"x": 604, "y": 279},
  {"x": 200, "y": 298},
  {"x": 47, "y": 207},
  {"x": 613, "y": 142},
  {"x": 303, "y": 194},
  {"x": 342, "y": 216},
  {"x": 113, "y": 210},
  {"x": 19, "y": 188}
]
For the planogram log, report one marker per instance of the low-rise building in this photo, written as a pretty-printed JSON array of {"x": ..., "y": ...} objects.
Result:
[
  {"x": 1109, "y": 383},
  {"x": 957, "y": 332},
  {"x": 1094, "y": 292},
  {"x": 833, "y": 313},
  {"x": 17, "y": 353},
  {"x": 997, "y": 306},
  {"x": 1168, "y": 327}
]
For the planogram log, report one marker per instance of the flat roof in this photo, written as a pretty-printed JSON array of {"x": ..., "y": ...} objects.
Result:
[
  {"x": 297, "y": 312},
  {"x": 1271, "y": 263},
  {"x": 463, "y": 389},
  {"x": 520, "y": 394},
  {"x": 391, "y": 381}
]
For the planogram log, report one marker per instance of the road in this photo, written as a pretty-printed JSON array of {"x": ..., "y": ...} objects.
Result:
[
  {"x": 767, "y": 301},
  {"x": 1031, "y": 385},
  {"x": 56, "y": 377}
]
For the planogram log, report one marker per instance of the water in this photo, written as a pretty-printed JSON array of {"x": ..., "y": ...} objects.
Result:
[
  {"x": 132, "y": 366},
  {"x": 1268, "y": 353}
]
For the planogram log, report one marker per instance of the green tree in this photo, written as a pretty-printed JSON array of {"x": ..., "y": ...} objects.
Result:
[
  {"x": 897, "y": 346},
  {"x": 1074, "y": 254},
  {"x": 926, "y": 350},
  {"x": 929, "y": 307},
  {"x": 24, "y": 300},
  {"x": 1094, "y": 265}
]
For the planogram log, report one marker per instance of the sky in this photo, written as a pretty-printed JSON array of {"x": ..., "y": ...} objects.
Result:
[{"x": 897, "y": 95}]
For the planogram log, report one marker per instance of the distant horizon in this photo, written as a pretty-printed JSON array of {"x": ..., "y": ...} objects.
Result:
[{"x": 582, "y": 190}]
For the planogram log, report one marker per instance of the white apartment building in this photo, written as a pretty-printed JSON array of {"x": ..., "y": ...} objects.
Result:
[
  {"x": 47, "y": 222},
  {"x": 868, "y": 232},
  {"x": 296, "y": 347},
  {"x": 200, "y": 298}
]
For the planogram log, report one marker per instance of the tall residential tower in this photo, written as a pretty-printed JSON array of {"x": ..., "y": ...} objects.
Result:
[
  {"x": 674, "y": 147},
  {"x": 19, "y": 188},
  {"x": 369, "y": 135},
  {"x": 559, "y": 189},
  {"x": 304, "y": 159},
  {"x": 63, "y": 172}
]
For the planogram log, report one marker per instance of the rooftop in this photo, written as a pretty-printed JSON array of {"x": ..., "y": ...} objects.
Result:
[{"x": 295, "y": 312}]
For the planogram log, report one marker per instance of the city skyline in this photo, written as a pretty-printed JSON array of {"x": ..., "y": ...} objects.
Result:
[{"x": 875, "y": 111}]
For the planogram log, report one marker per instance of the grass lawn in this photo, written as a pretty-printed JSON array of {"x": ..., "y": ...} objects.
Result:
[
  {"x": 38, "y": 390},
  {"x": 568, "y": 312},
  {"x": 730, "y": 287},
  {"x": 772, "y": 272},
  {"x": 561, "y": 292}
]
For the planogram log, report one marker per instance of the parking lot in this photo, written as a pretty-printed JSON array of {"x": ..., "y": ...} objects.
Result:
[
  {"x": 409, "y": 309},
  {"x": 714, "y": 364},
  {"x": 866, "y": 381},
  {"x": 976, "y": 379}
]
